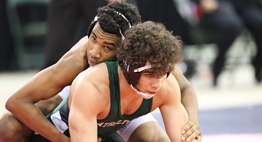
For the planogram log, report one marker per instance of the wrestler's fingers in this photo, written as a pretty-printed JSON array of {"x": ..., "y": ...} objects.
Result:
[
  {"x": 193, "y": 140},
  {"x": 191, "y": 134},
  {"x": 189, "y": 137},
  {"x": 188, "y": 125},
  {"x": 199, "y": 138},
  {"x": 193, "y": 137},
  {"x": 189, "y": 131}
]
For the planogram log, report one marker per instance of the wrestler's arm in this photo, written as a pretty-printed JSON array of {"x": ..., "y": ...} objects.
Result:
[
  {"x": 44, "y": 85},
  {"x": 47, "y": 106},
  {"x": 85, "y": 103},
  {"x": 173, "y": 113},
  {"x": 189, "y": 100}
]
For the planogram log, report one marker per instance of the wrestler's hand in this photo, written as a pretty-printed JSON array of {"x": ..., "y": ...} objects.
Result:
[
  {"x": 191, "y": 132},
  {"x": 99, "y": 139}
]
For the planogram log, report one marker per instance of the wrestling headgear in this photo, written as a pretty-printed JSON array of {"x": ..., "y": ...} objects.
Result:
[{"x": 91, "y": 26}]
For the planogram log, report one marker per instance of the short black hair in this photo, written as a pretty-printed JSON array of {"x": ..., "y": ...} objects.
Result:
[{"x": 113, "y": 23}]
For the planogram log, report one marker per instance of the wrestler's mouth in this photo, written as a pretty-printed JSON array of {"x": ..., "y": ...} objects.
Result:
[
  {"x": 92, "y": 62},
  {"x": 151, "y": 93}
]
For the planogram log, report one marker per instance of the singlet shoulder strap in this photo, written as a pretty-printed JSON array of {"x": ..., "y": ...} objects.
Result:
[{"x": 114, "y": 88}]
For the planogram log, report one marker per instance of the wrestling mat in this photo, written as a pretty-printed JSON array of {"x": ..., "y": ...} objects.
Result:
[{"x": 239, "y": 124}]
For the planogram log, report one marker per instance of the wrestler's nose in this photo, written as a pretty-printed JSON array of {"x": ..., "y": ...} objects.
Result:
[{"x": 96, "y": 51}]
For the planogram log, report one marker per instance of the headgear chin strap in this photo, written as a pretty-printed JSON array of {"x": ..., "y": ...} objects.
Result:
[
  {"x": 133, "y": 74},
  {"x": 143, "y": 95}
]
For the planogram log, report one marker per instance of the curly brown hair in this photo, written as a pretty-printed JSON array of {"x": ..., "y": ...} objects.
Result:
[
  {"x": 152, "y": 42},
  {"x": 111, "y": 22}
]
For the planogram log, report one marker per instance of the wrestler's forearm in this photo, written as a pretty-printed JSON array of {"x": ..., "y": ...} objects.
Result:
[
  {"x": 47, "y": 106},
  {"x": 21, "y": 105},
  {"x": 35, "y": 120},
  {"x": 189, "y": 101},
  {"x": 188, "y": 95}
]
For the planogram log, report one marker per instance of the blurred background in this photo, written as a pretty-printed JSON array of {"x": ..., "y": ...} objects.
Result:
[{"x": 222, "y": 53}]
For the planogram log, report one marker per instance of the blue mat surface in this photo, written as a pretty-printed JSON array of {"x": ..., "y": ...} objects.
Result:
[
  {"x": 231, "y": 120},
  {"x": 228, "y": 121}
]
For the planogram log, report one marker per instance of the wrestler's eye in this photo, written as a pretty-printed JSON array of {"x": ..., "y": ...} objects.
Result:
[
  {"x": 106, "y": 48},
  {"x": 93, "y": 38},
  {"x": 161, "y": 75},
  {"x": 148, "y": 74}
]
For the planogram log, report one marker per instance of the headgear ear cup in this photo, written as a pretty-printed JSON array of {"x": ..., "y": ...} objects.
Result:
[{"x": 131, "y": 76}]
